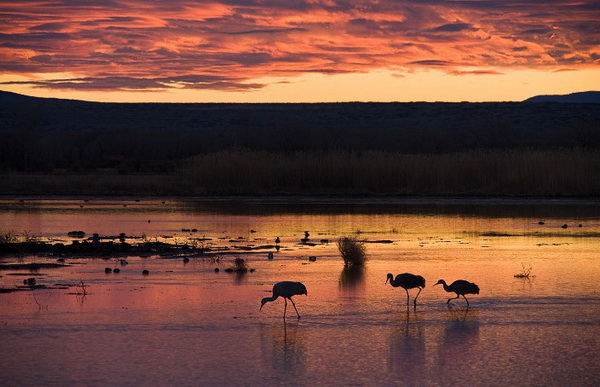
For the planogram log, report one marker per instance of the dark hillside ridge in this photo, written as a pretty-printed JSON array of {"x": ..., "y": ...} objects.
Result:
[
  {"x": 43, "y": 135},
  {"x": 49, "y": 114},
  {"x": 583, "y": 97}
]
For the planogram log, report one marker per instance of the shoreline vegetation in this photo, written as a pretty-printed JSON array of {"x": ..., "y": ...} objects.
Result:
[
  {"x": 513, "y": 172},
  {"x": 61, "y": 147}
]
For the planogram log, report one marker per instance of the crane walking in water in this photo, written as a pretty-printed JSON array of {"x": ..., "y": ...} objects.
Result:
[
  {"x": 460, "y": 287},
  {"x": 407, "y": 281},
  {"x": 285, "y": 289}
]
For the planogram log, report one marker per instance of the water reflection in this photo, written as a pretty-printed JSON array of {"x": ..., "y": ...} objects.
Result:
[
  {"x": 352, "y": 278},
  {"x": 239, "y": 277},
  {"x": 283, "y": 346},
  {"x": 538, "y": 209},
  {"x": 407, "y": 354},
  {"x": 460, "y": 336}
]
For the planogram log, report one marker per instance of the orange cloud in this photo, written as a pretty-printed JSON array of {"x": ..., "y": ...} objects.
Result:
[{"x": 228, "y": 44}]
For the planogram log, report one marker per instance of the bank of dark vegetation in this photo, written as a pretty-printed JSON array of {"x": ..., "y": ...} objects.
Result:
[{"x": 522, "y": 149}]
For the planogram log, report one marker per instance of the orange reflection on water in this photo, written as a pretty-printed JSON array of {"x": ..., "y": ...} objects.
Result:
[{"x": 185, "y": 322}]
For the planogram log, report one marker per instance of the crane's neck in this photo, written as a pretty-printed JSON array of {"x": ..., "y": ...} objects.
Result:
[
  {"x": 392, "y": 281},
  {"x": 269, "y": 299},
  {"x": 446, "y": 287}
]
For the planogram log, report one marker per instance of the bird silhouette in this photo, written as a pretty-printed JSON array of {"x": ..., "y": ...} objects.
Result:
[
  {"x": 460, "y": 287},
  {"x": 407, "y": 281},
  {"x": 285, "y": 289}
]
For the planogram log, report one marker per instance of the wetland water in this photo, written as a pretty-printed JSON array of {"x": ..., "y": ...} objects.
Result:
[{"x": 184, "y": 324}]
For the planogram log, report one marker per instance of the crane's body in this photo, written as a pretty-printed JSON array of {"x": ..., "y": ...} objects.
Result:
[
  {"x": 460, "y": 287},
  {"x": 407, "y": 281},
  {"x": 285, "y": 289}
]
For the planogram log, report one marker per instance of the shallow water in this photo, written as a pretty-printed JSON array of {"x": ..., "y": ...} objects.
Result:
[{"x": 185, "y": 324}]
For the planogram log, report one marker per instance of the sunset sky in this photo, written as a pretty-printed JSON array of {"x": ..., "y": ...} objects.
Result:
[{"x": 299, "y": 50}]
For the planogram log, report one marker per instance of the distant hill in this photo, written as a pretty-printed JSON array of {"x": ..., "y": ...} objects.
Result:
[
  {"x": 583, "y": 97},
  {"x": 7, "y": 97},
  {"x": 49, "y": 134}
]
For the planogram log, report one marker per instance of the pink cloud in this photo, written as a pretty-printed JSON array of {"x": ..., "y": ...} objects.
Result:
[{"x": 135, "y": 44}]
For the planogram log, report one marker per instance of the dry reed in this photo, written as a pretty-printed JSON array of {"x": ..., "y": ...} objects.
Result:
[
  {"x": 512, "y": 172},
  {"x": 517, "y": 172},
  {"x": 353, "y": 252}
]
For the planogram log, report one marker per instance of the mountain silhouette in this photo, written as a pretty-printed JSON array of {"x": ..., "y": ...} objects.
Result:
[{"x": 582, "y": 97}]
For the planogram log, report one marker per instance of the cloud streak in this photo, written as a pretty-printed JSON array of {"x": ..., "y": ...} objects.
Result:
[{"x": 229, "y": 44}]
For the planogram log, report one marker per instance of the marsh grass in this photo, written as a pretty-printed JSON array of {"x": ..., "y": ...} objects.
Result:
[
  {"x": 239, "y": 265},
  {"x": 353, "y": 252},
  {"x": 81, "y": 288},
  {"x": 525, "y": 272},
  {"x": 481, "y": 173},
  {"x": 515, "y": 172},
  {"x": 8, "y": 237}
]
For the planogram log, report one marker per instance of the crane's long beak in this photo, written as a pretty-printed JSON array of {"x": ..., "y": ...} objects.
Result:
[
  {"x": 386, "y": 281},
  {"x": 261, "y": 305}
]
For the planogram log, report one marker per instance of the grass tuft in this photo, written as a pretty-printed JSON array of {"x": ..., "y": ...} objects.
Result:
[
  {"x": 525, "y": 272},
  {"x": 353, "y": 251},
  {"x": 239, "y": 265},
  {"x": 8, "y": 237}
]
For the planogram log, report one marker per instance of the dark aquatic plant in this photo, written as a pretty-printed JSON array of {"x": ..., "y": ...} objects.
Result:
[
  {"x": 525, "y": 272},
  {"x": 8, "y": 237},
  {"x": 239, "y": 265},
  {"x": 353, "y": 251}
]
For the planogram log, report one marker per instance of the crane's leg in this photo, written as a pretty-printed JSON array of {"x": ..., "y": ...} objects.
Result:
[
  {"x": 284, "y": 307},
  {"x": 295, "y": 308},
  {"x": 453, "y": 298},
  {"x": 466, "y": 299},
  {"x": 415, "y": 301},
  {"x": 407, "y": 297}
]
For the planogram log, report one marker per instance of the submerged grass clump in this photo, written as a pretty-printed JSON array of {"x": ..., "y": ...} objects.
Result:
[
  {"x": 525, "y": 272},
  {"x": 8, "y": 237},
  {"x": 239, "y": 265},
  {"x": 353, "y": 251}
]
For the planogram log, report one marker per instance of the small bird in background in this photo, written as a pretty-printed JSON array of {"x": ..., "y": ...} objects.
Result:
[
  {"x": 277, "y": 240},
  {"x": 285, "y": 289},
  {"x": 407, "y": 281},
  {"x": 460, "y": 287}
]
